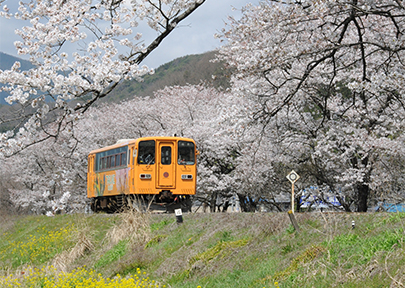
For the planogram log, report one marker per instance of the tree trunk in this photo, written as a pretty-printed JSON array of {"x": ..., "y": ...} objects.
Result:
[
  {"x": 246, "y": 203},
  {"x": 363, "y": 192},
  {"x": 213, "y": 202},
  {"x": 242, "y": 202}
]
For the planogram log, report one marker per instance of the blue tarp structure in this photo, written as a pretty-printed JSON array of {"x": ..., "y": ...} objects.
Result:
[{"x": 389, "y": 207}]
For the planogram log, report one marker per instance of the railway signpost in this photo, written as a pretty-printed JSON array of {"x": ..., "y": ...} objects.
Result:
[
  {"x": 179, "y": 216},
  {"x": 292, "y": 177}
]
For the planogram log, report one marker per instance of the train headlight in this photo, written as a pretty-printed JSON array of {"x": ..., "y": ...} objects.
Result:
[
  {"x": 187, "y": 177},
  {"x": 145, "y": 176}
]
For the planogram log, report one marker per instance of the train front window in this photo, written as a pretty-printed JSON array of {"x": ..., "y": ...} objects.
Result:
[
  {"x": 166, "y": 155},
  {"x": 146, "y": 152},
  {"x": 186, "y": 153}
]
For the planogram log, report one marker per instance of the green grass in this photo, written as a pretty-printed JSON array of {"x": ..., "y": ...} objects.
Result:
[
  {"x": 209, "y": 250},
  {"x": 113, "y": 254}
]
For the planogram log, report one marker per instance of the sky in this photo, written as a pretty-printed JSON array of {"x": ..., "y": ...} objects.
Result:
[{"x": 194, "y": 35}]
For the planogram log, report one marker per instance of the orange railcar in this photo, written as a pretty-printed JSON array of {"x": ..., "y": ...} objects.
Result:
[{"x": 159, "y": 172}]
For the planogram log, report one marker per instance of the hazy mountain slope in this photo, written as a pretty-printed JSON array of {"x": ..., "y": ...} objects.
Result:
[
  {"x": 6, "y": 62},
  {"x": 191, "y": 69}
]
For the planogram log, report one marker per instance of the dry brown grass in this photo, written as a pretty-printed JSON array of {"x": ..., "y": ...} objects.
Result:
[
  {"x": 132, "y": 225},
  {"x": 8, "y": 215},
  {"x": 84, "y": 245},
  {"x": 395, "y": 271}
]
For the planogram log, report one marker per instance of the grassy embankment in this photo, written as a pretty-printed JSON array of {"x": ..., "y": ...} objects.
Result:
[{"x": 207, "y": 250}]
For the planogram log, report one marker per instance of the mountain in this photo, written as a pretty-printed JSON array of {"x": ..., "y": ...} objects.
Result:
[
  {"x": 191, "y": 69},
  {"x": 6, "y": 62}
]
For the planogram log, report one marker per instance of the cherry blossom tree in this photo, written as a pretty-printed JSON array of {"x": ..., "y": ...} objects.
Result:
[
  {"x": 328, "y": 76},
  {"x": 50, "y": 179},
  {"x": 106, "y": 50},
  {"x": 195, "y": 111}
]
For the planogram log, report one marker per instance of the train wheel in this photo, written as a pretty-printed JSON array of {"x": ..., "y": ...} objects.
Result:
[
  {"x": 189, "y": 203},
  {"x": 110, "y": 207},
  {"x": 186, "y": 204},
  {"x": 93, "y": 205}
]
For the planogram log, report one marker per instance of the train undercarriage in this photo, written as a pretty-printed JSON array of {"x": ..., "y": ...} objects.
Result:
[{"x": 165, "y": 202}]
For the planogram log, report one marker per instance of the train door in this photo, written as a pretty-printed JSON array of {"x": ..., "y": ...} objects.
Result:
[
  {"x": 90, "y": 176},
  {"x": 131, "y": 164},
  {"x": 166, "y": 165}
]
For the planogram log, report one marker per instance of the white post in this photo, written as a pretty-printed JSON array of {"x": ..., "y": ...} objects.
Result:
[{"x": 292, "y": 198}]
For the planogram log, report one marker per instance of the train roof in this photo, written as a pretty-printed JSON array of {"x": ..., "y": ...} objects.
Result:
[{"x": 126, "y": 142}]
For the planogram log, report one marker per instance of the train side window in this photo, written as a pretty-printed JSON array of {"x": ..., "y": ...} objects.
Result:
[
  {"x": 112, "y": 161},
  {"x": 108, "y": 162},
  {"x": 146, "y": 152},
  {"x": 112, "y": 158},
  {"x": 186, "y": 153},
  {"x": 166, "y": 154},
  {"x": 98, "y": 163},
  {"x": 103, "y": 163},
  {"x": 123, "y": 159}
]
